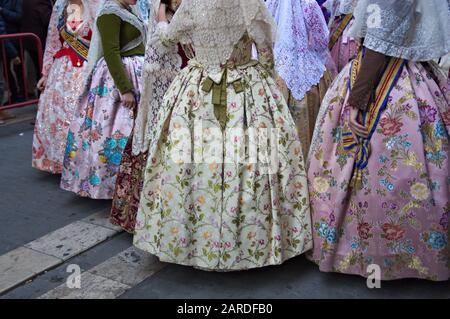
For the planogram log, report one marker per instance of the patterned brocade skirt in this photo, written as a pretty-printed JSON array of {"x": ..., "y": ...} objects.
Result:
[
  {"x": 56, "y": 109},
  {"x": 199, "y": 205},
  {"x": 129, "y": 184},
  {"x": 99, "y": 134},
  {"x": 306, "y": 110},
  {"x": 398, "y": 218}
]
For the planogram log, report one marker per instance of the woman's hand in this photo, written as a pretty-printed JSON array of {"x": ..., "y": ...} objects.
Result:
[
  {"x": 128, "y": 100},
  {"x": 355, "y": 125},
  {"x": 42, "y": 83}
]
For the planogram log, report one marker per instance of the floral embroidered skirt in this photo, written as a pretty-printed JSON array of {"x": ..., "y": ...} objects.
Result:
[
  {"x": 199, "y": 205},
  {"x": 129, "y": 184},
  {"x": 158, "y": 74},
  {"x": 398, "y": 220},
  {"x": 57, "y": 105},
  {"x": 99, "y": 134},
  {"x": 305, "y": 111}
]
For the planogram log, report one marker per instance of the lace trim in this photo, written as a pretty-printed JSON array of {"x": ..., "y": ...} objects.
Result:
[
  {"x": 417, "y": 30},
  {"x": 133, "y": 18},
  {"x": 415, "y": 53},
  {"x": 301, "y": 51},
  {"x": 214, "y": 27},
  {"x": 340, "y": 7},
  {"x": 160, "y": 68}
]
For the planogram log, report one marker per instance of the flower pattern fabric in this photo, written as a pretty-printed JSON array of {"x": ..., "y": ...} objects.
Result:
[
  {"x": 160, "y": 69},
  {"x": 99, "y": 134},
  {"x": 301, "y": 44},
  {"x": 58, "y": 102},
  {"x": 301, "y": 47},
  {"x": 399, "y": 218},
  {"x": 305, "y": 111},
  {"x": 224, "y": 215},
  {"x": 129, "y": 184}
]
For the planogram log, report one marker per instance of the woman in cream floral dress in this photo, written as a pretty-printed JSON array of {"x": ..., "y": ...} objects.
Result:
[{"x": 214, "y": 197}]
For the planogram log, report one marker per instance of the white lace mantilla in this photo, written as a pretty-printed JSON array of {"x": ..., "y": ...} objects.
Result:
[
  {"x": 417, "y": 30},
  {"x": 160, "y": 68},
  {"x": 214, "y": 27},
  {"x": 301, "y": 49}
]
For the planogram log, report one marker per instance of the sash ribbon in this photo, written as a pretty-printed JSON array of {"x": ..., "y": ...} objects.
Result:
[
  {"x": 77, "y": 50},
  {"x": 371, "y": 117},
  {"x": 340, "y": 30}
]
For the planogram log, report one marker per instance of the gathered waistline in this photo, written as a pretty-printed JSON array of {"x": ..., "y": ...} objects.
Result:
[{"x": 229, "y": 65}]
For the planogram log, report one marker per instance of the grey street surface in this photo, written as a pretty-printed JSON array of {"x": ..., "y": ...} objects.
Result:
[{"x": 48, "y": 237}]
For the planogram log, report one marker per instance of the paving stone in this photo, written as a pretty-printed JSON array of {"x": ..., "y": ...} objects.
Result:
[
  {"x": 130, "y": 267},
  {"x": 71, "y": 240},
  {"x": 102, "y": 219},
  {"x": 92, "y": 287},
  {"x": 22, "y": 264}
]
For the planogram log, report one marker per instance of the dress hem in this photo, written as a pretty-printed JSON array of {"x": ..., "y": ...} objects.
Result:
[{"x": 287, "y": 257}]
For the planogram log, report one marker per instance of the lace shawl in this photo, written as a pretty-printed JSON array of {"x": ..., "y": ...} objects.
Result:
[
  {"x": 53, "y": 43},
  {"x": 417, "y": 30},
  {"x": 214, "y": 27},
  {"x": 133, "y": 17},
  {"x": 301, "y": 48},
  {"x": 160, "y": 68}
]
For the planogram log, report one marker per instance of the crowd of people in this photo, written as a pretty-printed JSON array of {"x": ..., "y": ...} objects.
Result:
[{"x": 236, "y": 134}]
